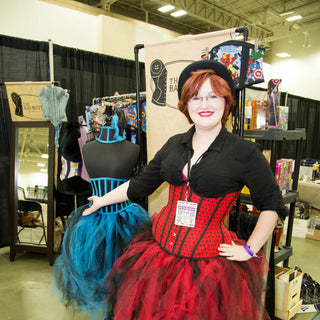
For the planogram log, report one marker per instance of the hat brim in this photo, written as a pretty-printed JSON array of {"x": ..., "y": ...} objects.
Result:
[{"x": 217, "y": 67}]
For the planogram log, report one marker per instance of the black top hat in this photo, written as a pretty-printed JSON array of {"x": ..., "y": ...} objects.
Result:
[{"x": 217, "y": 67}]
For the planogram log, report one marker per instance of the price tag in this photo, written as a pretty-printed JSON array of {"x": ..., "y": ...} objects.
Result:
[{"x": 186, "y": 214}]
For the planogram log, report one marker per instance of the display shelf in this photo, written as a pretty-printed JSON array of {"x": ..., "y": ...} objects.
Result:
[
  {"x": 289, "y": 197},
  {"x": 276, "y": 134},
  {"x": 283, "y": 253}
]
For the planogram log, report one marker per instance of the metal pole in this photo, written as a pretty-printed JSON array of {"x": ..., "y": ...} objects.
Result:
[
  {"x": 51, "y": 63},
  {"x": 136, "y": 56}
]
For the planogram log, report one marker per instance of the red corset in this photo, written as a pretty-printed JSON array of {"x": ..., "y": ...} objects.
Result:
[{"x": 201, "y": 241}]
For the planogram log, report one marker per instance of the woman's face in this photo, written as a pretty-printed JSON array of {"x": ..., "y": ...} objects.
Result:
[{"x": 206, "y": 109}]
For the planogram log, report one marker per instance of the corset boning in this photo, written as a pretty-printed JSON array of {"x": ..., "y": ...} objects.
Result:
[
  {"x": 101, "y": 186},
  {"x": 201, "y": 241}
]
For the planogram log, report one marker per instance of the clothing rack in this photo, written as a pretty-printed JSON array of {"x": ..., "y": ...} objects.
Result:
[{"x": 119, "y": 97}]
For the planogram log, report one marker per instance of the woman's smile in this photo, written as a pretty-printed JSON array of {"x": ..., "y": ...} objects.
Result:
[{"x": 205, "y": 114}]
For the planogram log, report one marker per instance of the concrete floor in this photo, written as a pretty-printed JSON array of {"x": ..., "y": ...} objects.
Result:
[{"x": 25, "y": 284}]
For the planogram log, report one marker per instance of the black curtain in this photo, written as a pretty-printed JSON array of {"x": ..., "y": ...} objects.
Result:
[
  {"x": 89, "y": 75},
  {"x": 85, "y": 74},
  {"x": 20, "y": 60},
  {"x": 305, "y": 113}
]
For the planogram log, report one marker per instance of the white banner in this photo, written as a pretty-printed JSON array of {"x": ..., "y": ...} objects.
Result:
[{"x": 163, "y": 65}]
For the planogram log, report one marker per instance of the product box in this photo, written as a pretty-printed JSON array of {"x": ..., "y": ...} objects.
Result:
[
  {"x": 315, "y": 211},
  {"x": 287, "y": 291},
  {"x": 260, "y": 114},
  {"x": 313, "y": 234},
  {"x": 283, "y": 115},
  {"x": 286, "y": 315},
  {"x": 300, "y": 227},
  {"x": 284, "y": 170}
]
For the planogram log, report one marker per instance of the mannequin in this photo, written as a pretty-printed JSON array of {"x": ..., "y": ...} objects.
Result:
[
  {"x": 91, "y": 244},
  {"x": 114, "y": 160}
]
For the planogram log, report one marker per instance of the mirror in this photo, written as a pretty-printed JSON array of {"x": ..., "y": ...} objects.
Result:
[
  {"x": 32, "y": 166},
  {"x": 32, "y": 181}
]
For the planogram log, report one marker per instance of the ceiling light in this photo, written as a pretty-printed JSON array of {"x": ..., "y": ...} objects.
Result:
[
  {"x": 41, "y": 164},
  {"x": 283, "y": 55},
  {"x": 166, "y": 8},
  {"x": 294, "y": 18},
  {"x": 286, "y": 13},
  {"x": 43, "y": 170},
  {"x": 178, "y": 13},
  {"x": 45, "y": 156}
]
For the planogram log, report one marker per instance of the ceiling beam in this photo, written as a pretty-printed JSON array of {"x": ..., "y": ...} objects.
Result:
[
  {"x": 285, "y": 33},
  {"x": 211, "y": 14}
]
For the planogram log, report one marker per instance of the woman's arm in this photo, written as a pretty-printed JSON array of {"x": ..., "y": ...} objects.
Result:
[
  {"x": 265, "y": 225},
  {"x": 116, "y": 195}
]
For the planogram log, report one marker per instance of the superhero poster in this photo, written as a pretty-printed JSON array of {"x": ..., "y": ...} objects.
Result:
[{"x": 243, "y": 61}]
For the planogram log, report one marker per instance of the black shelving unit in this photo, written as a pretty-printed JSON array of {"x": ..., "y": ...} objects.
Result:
[{"x": 277, "y": 136}]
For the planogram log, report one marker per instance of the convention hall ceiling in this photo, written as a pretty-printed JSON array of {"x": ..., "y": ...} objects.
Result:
[{"x": 265, "y": 19}]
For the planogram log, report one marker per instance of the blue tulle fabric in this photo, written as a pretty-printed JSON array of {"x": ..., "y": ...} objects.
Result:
[{"x": 90, "y": 246}]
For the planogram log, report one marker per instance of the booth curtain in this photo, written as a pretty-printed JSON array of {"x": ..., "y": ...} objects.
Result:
[
  {"x": 85, "y": 74},
  {"x": 20, "y": 60},
  {"x": 305, "y": 113},
  {"x": 91, "y": 75}
]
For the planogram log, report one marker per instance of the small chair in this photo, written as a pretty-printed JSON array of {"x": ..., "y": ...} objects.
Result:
[{"x": 29, "y": 212}]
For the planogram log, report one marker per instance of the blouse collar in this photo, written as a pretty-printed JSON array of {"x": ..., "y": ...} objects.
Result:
[{"x": 216, "y": 145}]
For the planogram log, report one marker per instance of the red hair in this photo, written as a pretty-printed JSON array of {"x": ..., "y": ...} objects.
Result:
[{"x": 192, "y": 86}]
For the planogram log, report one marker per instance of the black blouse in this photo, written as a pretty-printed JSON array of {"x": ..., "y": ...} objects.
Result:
[{"x": 229, "y": 163}]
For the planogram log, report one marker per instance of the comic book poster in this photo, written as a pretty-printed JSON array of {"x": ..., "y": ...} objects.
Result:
[{"x": 243, "y": 61}]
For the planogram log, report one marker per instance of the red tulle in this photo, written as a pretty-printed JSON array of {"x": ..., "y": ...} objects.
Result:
[{"x": 150, "y": 284}]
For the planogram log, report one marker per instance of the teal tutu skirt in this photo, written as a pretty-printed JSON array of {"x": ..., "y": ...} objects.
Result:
[{"x": 90, "y": 246}]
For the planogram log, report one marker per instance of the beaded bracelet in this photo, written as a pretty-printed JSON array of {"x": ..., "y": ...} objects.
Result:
[{"x": 249, "y": 251}]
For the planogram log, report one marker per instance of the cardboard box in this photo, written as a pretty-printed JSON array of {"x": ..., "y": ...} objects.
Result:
[
  {"x": 313, "y": 234},
  {"x": 287, "y": 292},
  {"x": 300, "y": 227},
  {"x": 315, "y": 211},
  {"x": 286, "y": 315}
]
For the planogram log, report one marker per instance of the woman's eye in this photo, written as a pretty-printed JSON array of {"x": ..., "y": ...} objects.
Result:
[
  {"x": 212, "y": 97},
  {"x": 195, "y": 98}
]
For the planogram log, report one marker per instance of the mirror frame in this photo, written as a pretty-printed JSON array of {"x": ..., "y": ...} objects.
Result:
[{"x": 13, "y": 200}]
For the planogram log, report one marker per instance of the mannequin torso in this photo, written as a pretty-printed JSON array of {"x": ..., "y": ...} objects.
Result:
[{"x": 108, "y": 157}]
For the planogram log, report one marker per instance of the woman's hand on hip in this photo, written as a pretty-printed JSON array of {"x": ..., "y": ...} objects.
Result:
[{"x": 233, "y": 252}]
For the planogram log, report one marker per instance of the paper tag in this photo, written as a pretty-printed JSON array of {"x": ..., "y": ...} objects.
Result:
[{"x": 186, "y": 214}]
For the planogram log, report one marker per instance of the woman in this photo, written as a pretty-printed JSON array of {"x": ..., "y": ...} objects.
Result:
[{"x": 190, "y": 266}]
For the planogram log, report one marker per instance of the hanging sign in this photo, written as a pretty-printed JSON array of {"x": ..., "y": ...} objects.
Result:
[{"x": 23, "y": 99}]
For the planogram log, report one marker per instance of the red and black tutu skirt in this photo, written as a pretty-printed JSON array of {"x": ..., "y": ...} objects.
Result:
[{"x": 148, "y": 283}]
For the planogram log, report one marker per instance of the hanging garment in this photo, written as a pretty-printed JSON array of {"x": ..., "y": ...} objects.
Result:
[
  {"x": 54, "y": 102},
  {"x": 132, "y": 115},
  {"x": 72, "y": 173},
  {"x": 82, "y": 141}
]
